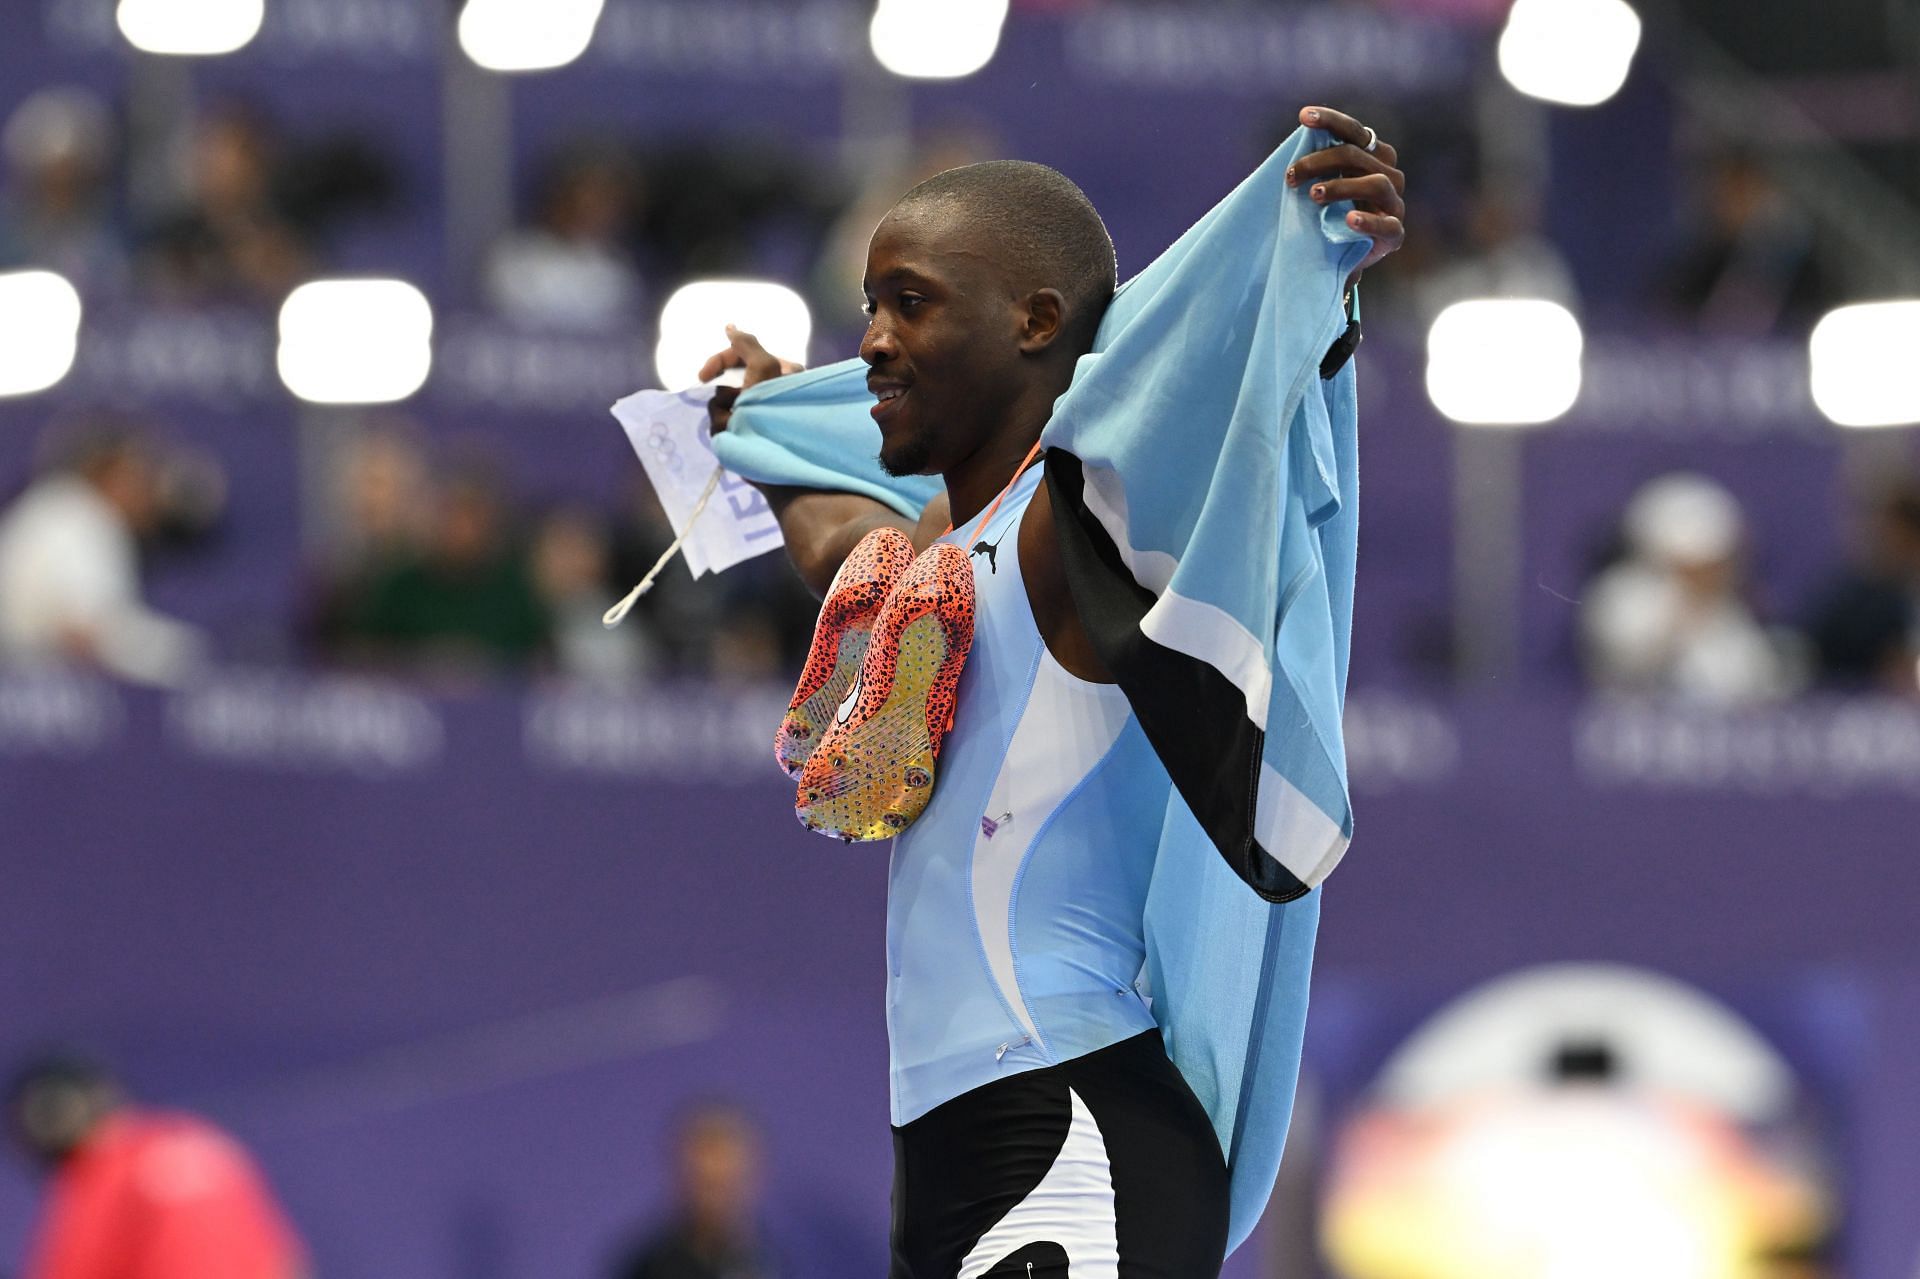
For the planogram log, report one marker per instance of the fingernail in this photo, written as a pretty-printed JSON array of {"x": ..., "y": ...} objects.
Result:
[
  {"x": 1313, "y": 114},
  {"x": 1291, "y": 177},
  {"x": 1319, "y": 193}
]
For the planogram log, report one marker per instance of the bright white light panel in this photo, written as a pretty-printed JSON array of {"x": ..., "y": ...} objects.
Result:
[
  {"x": 1504, "y": 361},
  {"x": 527, "y": 35},
  {"x": 1573, "y": 52},
  {"x": 197, "y": 28},
  {"x": 936, "y": 39},
  {"x": 39, "y": 330},
  {"x": 355, "y": 341},
  {"x": 1865, "y": 364},
  {"x": 693, "y": 324}
]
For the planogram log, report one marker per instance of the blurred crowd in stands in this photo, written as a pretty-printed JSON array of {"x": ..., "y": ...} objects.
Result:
[
  {"x": 420, "y": 558},
  {"x": 233, "y": 211},
  {"x": 1673, "y": 612},
  {"x": 428, "y": 567},
  {"x": 424, "y": 565},
  {"x": 239, "y": 209}
]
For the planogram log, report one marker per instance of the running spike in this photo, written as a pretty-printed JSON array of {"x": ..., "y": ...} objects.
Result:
[
  {"x": 839, "y": 642},
  {"x": 874, "y": 773}
]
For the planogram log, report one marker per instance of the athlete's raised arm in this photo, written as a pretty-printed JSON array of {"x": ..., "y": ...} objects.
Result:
[{"x": 820, "y": 527}]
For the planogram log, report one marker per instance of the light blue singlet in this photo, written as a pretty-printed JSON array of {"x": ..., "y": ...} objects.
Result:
[{"x": 1014, "y": 903}]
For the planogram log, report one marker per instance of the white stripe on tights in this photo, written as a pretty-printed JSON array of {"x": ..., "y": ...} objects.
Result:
[{"x": 1072, "y": 1206}]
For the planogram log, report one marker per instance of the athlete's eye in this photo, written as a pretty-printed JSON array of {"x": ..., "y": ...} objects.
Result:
[{"x": 910, "y": 300}]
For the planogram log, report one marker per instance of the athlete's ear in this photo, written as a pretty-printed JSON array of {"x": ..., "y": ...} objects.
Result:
[{"x": 1043, "y": 315}]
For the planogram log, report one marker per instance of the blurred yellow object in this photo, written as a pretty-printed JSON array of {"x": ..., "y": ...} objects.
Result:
[{"x": 1566, "y": 1183}]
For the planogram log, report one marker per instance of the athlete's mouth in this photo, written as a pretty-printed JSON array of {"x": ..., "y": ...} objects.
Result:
[{"x": 887, "y": 397}]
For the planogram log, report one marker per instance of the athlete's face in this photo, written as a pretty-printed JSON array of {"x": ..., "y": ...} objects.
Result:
[{"x": 943, "y": 344}]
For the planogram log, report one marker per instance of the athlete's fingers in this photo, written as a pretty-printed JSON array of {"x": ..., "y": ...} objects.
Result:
[
  {"x": 719, "y": 362},
  {"x": 744, "y": 352},
  {"x": 1375, "y": 193},
  {"x": 1383, "y": 150},
  {"x": 1342, "y": 162},
  {"x": 720, "y": 407},
  {"x": 756, "y": 360},
  {"x": 1387, "y": 232},
  {"x": 1344, "y": 127}
]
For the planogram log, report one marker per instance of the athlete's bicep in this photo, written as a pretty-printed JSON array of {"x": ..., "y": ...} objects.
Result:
[{"x": 1050, "y": 597}]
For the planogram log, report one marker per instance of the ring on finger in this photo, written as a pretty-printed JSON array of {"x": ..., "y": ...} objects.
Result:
[{"x": 1373, "y": 139}]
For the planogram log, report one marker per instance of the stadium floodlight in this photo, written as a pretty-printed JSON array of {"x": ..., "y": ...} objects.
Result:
[
  {"x": 199, "y": 28},
  {"x": 1573, "y": 52},
  {"x": 936, "y": 39},
  {"x": 1504, "y": 361},
  {"x": 39, "y": 330},
  {"x": 527, "y": 35},
  {"x": 694, "y": 321},
  {"x": 1863, "y": 364},
  {"x": 355, "y": 341}
]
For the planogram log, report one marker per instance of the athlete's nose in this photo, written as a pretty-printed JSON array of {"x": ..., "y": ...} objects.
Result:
[{"x": 877, "y": 345}]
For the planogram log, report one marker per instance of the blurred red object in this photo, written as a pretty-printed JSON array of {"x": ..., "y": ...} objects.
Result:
[{"x": 155, "y": 1195}]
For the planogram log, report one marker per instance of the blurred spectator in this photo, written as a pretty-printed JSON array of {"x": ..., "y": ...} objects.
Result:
[
  {"x": 712, "y": 1232},
  {"x": 837, "y": 275},
  {"x": 141, "y": 1194},
  {"x": 570, "y": 572},
  {"x": 743, "y": 207},
  {"x": 1753, "y": 264},
  {"x": 70, "y": 564},
  {"x": 1865, "y": 627},
  {"x": 380, "y": 509},
  {"x": 1505, "y": 255},
  {"x": 571, "y": 269},
  {"x": 752, "y": 622},
  {"x": 57, "y": 211},
  {"x": 1671, "y": 617},
  {"x": 462, "y": 602},
  {"x": 231, "y": 237}
]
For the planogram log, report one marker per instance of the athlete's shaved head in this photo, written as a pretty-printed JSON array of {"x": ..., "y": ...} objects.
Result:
[
  {"x": 1043, "y": 229},
  {"x": 985, "y": 284}
]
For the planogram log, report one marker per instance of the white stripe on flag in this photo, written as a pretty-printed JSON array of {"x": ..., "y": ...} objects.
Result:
[
  {"x": 1294, "y": 831},
  {"x": 1202, "y": 631}
]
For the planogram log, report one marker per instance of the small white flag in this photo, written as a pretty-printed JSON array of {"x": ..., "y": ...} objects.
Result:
[{"x": 719, "y": 519}]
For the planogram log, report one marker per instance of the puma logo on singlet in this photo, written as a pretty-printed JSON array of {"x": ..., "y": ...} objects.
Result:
[{"x": 993, "y": 553}]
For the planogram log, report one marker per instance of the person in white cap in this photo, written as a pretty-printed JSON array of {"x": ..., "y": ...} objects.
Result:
[{"x": 1671, "y": 617}]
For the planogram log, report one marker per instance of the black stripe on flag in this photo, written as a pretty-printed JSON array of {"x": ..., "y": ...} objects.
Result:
[{"x": 1194, "y": 716}]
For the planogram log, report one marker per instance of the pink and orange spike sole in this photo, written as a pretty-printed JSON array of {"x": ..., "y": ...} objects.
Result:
[
  {"x": 871, "y": 771},
  {"x": 840, "y": 639}
]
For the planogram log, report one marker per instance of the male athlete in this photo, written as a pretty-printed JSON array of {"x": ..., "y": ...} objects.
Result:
[{"x": 1040, "y": 1127}]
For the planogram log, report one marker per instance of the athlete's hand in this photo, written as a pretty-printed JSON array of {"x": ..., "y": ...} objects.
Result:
[
  {"x": 1347, "y": 171},
  {"x": 743, "y": 352}
]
